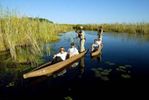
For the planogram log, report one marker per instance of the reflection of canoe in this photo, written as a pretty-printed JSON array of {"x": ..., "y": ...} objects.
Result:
[
  {"x": 96, "y": 52},
  {"x": 53, "y": 68}
]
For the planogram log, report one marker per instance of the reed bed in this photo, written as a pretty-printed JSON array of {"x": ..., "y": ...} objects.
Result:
[
  {"x": 23, "y": 31},
  {"x": 141, "y": 28}
]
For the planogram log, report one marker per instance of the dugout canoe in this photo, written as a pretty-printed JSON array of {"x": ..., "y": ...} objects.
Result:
[
  {"x": 96, "y": 52},
  {"x": 49, "y": 70}
]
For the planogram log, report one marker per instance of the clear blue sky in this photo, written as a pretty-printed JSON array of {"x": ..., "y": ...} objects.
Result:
[{"x": 83, "y": 11}]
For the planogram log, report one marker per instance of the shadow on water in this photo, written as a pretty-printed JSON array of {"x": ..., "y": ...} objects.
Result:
[{"x": 121, "y": 65}]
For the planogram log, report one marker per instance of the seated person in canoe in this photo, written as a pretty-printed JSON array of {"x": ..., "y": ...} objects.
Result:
[
  {"x": 61, "y": 56},
  {"x": 72, "y": 51},
  {"x": 96, "y": 45}
]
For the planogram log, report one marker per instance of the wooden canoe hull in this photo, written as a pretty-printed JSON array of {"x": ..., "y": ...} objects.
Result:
[
  {"x": 49, "y": 70},
  {"x": 96, "y": 52}
]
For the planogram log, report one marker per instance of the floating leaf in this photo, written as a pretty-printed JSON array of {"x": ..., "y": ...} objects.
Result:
[
  {"x": 10, "y": 84},
  {"x": 121, "y": 70},
  {"x": 100, "y": 69},
  {"x": 110, "y": 63},
  {"x": 68, "y": 98},
  {"x": 107, "y": 70},
  {"x": 128, "y": 66},
  {"x": 125, "y": 76},
  {"x": 98, "y": 75},
  {"x": 122, "y": 67},
  {"x": 105, "y": 78},
  {"x": 105, "y": 73}
]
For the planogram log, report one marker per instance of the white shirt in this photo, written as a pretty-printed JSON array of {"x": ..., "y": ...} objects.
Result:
[
  {"x": 98, "y": 42},
  {"x": 73, "y": 51},
  {"x": 95, "y": 45},
  {"x": 62, "y": 55}
]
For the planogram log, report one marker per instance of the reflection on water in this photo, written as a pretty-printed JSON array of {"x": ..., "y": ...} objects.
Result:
[
  {"x": 27, "y": 59},
  {"x": 97, "y": 57},
  {"x": 80, "y": 65}
]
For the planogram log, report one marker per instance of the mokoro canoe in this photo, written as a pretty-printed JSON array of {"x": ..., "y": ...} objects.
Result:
[
  {"x": 96, "y": 52},
  {"x": 49, "y": 70}
]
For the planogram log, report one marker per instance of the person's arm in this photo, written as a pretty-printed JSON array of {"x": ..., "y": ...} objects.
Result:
[
  {"x": 54, "y": 56},
  {"x": 76, "y": 51},
  {"x": 82, "y": 35}
]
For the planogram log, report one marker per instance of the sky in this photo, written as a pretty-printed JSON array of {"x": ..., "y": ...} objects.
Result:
[{"x": 83, "y": 11}]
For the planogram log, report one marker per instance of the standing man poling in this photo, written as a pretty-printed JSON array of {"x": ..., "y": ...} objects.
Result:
[
  {"x": 100, "y": 32},
  {"x": 81, "y": 35}
]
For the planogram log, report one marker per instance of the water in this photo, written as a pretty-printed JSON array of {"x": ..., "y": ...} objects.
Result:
[{"x": 121, "y": 65}]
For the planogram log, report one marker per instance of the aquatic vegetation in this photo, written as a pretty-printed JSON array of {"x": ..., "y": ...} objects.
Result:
[
  {"x": 125, "y": 76},
  {"x": 128, "y": 66},
  {"x": 124, "y": 71},
  {"x": 102, "y": 73},
  {"x": 106, "y": 71},
  {"x": 68, "y": 98},
  {"x": 122, "y": 67},
  {"x": 105, "y": 78},
  {"x": 121, "y": 27},
  {"x": 16, "y": 31},
  {"x": 10, "y": 84},
  {"x": 110, "y": 63},
  {"x": 100, "y": 69},
  {"x": 121, "y": 70}
]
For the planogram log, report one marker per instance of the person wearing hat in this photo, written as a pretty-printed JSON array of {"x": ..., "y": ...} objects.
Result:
[{"x": 81, "y": 35}]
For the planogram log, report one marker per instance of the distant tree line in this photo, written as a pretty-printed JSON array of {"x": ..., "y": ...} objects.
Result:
[{"x": 40, "y": 19}]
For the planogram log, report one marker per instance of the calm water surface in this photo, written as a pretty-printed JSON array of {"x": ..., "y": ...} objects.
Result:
[{"x": 121, "y": 65}]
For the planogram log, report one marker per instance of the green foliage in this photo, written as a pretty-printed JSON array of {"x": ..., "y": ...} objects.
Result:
[
  {"x": 40, "y": 19},
  {"x": 26, "y": 31},
  {"x": 142, "y": 28}
]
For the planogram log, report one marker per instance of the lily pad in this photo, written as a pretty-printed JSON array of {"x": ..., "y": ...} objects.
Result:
[
  {"x": 10, "y": 84},
  {"x": 122, "y": 67},
  {"x": 100, "y": 69},
  {"x": 68, "y": 98},
  {"x": 108, "y": 70},
  {"x": 121, "y": 70},
  {"x": 127, "y": 76},
  {"x": 105, "y": 78},
  {"x": 110, "y": 63},
  {"x": 105, "y": 73},
  {"x": 128, "y": 66}
]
